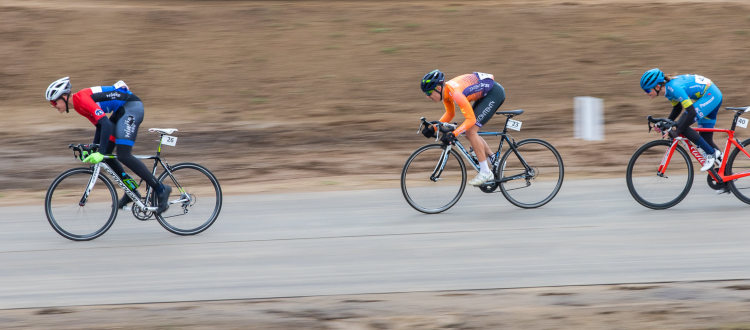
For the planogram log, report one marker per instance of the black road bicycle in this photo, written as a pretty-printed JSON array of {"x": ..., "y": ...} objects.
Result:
[
  {"x": 81, "y": 203},
  {"x": 529, "y": 174}
]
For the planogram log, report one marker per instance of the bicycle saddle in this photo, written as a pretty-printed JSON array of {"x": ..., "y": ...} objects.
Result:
[
  {"x": 163, "y": 130},
  {"x": 511, "y": 112}
]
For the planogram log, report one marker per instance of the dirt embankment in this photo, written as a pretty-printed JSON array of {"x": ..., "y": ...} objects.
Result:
[{"x": 326, "y": 92}]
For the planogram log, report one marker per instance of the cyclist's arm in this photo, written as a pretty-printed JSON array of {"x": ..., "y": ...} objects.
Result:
[
  {"x": 104, "y": 130},
  {"x": 676, "y": 110},
  {"x": 683, "y": 124},
  {"x": 468, "y": 112},
  {"x": 450, "y": 111}
]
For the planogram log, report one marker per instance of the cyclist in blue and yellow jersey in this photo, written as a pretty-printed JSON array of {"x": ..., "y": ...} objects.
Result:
[
  {"x": 700, "y": 99},
  {"x": 120, "y": 129},
  {"x": 487, "y": 95}
]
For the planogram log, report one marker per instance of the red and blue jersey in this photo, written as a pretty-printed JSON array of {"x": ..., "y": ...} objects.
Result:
[{"x": 93, "y": 103}]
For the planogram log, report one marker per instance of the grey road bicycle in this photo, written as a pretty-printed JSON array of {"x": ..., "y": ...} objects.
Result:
[
  {"x": 81, "y": 203},
  {"x": 529, "y": 174}
]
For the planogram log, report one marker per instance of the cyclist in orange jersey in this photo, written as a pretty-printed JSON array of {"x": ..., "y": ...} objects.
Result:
[{"x": 487, "y": 95}]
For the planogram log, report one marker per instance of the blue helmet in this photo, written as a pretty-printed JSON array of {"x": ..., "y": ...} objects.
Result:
[
  {"x": 650, "y": 79},
  {"x": 432, "y": 80}
]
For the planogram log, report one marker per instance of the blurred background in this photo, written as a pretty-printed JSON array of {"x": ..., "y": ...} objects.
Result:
[{"x": 326, "y": 93}]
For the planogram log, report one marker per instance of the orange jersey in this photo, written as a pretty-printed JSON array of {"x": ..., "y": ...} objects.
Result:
[{"x": 462, "y": 90}]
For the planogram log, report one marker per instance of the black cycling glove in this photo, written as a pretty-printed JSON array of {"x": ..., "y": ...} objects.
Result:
[
  {"x": 448, "y": 138},
  {"x": 429, "y": 131}
]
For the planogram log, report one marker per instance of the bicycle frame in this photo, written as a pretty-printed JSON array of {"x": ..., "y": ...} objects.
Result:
[
  {"x": 473, "y": 161},
  {"x": 718, "y": 177},
  {"x": 137, "y": 201}
]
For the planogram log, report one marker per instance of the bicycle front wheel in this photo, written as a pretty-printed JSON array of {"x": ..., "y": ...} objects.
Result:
[
  {"x": 433, "y": 194},
  {"x": 74, "y": 217},
  {"x": 659, "y": 191},
  {"x": 199, "y": 199},
  {"x": 738, "y": 162},
  {"x": 537, "y": 183}
]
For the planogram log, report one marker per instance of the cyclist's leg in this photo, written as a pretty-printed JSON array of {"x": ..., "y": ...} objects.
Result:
[
  {"x": 484, "y": 109},
  {"x": 707, "y": 108},
  {"x": 693, "y": 135},
  {"x": 126, "y": 131}
]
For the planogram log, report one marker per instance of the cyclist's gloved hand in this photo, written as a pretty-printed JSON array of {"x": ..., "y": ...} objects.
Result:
[
  {"x": 429, "y": 131},
  {"x": 673, "y": 133},
  {"x": 84, "y": 154},
  {"x": 94, "y": 158},
  {"x": 448, "y": 138}
]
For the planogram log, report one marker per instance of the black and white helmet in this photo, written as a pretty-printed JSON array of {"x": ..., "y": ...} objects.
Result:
[{"x": 58, "y": 88}]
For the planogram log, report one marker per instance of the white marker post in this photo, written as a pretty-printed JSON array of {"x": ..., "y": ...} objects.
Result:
[{"x": 589, "y": 118}]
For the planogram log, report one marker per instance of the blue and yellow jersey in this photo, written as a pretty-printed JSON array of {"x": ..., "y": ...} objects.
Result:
[{"x": 687, "y": 88}]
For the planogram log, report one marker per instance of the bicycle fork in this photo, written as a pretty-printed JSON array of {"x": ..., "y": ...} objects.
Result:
[{"x": 441, "y": 164}]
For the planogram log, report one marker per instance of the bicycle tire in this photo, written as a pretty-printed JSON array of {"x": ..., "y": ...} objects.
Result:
[
  {"x": 739, "y": 186},
  {"x": 515, "y": 191},
  {"x": 655, "y": 153},
  {"x": 67, "y": 202},
  {"x": 198, "y": 190},
  {"x": 418, "y": 181}
]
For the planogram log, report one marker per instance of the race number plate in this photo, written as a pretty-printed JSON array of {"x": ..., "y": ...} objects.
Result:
[
  {"x": 514, "y": 124},
  {"x": 169, "y": 140},
  {"x": 742, "y": 122}
]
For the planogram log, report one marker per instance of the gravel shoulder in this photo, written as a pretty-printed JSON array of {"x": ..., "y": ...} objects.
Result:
[{"x": 721, "y": 305}]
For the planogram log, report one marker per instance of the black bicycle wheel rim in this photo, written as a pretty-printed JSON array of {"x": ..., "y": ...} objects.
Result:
[
  {"x": 452, "y": 201},
  {"x": 172, "y": 223},
  {"x": 657, "y": 157},
  {"x": 508, "y": 191},
  {"x": 55, "y": 223}
]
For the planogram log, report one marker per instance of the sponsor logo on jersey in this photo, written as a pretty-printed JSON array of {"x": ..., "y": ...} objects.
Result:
[
  {"x": 99, "y": 112},
  {"x": 707, "y": 102},
  {"x": 113, "y": 95}
]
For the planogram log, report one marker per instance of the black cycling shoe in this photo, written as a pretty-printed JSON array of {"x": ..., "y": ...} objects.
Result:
[
  {"x": 162, "y": 200},
  {"x": 125, "y": 200}
]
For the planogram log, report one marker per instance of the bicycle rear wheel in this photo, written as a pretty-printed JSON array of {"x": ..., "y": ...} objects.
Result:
[
  {"x": 739, "y": 163},
  {"x": 201, "y": 195},
  {"x": 434, "y": 195},
  {"x": 64, "y": 209},
  {"x": 538, "y": 185},
  {"x": 652, "y": 190}
]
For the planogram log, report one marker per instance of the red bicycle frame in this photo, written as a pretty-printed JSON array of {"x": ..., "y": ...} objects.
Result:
[{"x": 718, "y": 177}]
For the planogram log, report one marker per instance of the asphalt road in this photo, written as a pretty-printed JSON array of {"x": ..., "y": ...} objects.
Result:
[{"x": 371, "y": 241}]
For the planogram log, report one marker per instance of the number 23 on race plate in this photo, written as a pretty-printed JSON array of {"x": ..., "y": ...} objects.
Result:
[
  {"x": 169, "y": 140},
  {"x": 742, "y": 122},
  {"x": 514, "y": 124}
]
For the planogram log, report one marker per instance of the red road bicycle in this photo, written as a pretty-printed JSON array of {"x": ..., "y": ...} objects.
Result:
[{"x": 660, "y": 173}]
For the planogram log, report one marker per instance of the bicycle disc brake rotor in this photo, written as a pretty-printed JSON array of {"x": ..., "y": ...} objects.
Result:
[{"x": 713, "y": 184}]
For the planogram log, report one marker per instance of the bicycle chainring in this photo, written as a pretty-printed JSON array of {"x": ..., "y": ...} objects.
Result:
[
  {"x": 140, "y": 214},
  {"x": 713, "y": 184}
]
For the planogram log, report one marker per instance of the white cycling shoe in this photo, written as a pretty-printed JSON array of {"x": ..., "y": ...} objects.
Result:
[
  {"x": 710, "y": 160},
  {"x": 481, "y": 178}
]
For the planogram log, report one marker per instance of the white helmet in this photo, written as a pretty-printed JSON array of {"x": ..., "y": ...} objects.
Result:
[{"x": 58, "y": 88}]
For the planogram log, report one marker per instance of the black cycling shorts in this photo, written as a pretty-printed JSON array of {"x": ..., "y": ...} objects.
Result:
[{"x": 486, "y": 107}]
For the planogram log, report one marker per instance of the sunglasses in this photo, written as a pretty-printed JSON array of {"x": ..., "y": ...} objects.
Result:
[
  {"x": 428, "y": 93},
  {"x": 648, "y": 91}
]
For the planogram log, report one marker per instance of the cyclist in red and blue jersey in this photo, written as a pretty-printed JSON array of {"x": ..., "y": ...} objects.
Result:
[
  {"x": 120, "y": 129},
  {"x": 700, "y": 99},
  {"x": 487, "y": 95}
]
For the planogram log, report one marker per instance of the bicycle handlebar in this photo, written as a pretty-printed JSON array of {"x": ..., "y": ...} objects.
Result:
[
  {"x": 80, "y": 148},
  {"x": 661, "y": 124},
  {"x": 442, "y": 127}
]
